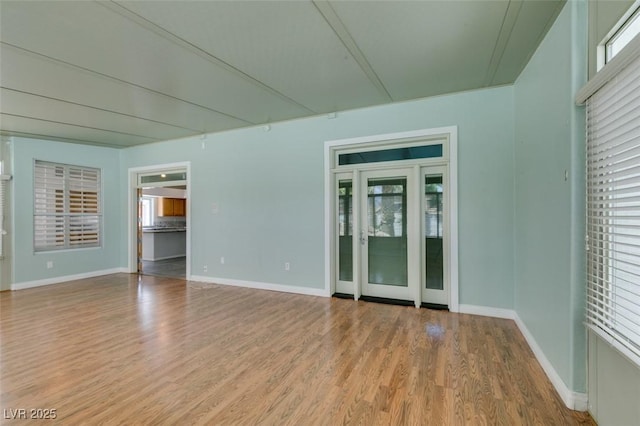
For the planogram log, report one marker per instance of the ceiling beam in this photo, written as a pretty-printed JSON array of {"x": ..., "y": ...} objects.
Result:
[{"x": 334, "y": 21}]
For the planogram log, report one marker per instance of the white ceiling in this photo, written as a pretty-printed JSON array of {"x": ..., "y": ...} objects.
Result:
[{"x": 124, "y": 73}]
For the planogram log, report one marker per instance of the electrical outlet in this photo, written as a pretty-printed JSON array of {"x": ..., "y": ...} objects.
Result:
[
  {"x": 287, "y": 266},
  {"x": 205, "y": 268},
  {"x": 222, "y": 260},
  {"x": 49, "y": 264}
]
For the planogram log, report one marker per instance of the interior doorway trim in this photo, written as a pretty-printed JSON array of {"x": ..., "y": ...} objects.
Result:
[
  {"x": 330, "y": 148},
  {"x": 132, "y": 210}
]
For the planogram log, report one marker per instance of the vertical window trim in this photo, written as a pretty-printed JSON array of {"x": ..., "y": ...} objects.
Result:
[{"x": 62, "y": 211}]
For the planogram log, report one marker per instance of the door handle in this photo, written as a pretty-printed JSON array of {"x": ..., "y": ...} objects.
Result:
[{"x": 363, "y": 240}]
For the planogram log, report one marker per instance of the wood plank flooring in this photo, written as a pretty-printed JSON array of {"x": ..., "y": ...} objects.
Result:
[{"x": 123, "y": 349}]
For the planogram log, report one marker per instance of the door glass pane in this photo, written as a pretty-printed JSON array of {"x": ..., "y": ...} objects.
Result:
[
  {"x": 345, "y": 230},
  {"x": 163, "y": 177},
  {"x": 394, "y": 154},
  {"x": 433, "y": 191},
  {"x": 387, "y": 231}
]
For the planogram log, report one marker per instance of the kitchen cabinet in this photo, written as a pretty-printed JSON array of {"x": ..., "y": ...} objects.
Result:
[
  {"x": 179, "y": 207},
  {"x": 172, "y": 207}
]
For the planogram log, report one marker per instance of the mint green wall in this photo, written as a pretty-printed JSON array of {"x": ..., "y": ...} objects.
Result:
[
  {"x": 614, "y": 385},
  {"x": 549, "y": 209},
  {"x": 269, "y": 188},
  {"x": 29, "y": 266}
]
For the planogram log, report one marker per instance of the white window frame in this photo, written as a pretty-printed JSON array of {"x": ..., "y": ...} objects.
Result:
[
  {"x": 628, "y": 29},
  {"x": 612, "y": 169},
  {"x": 74, "y": 230},
  {"x": 603, "y": 50}
]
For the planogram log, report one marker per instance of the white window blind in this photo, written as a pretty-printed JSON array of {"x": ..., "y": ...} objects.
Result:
[
  {"x": 67, "y": 206},
  {"x": 613, "y": 211}
]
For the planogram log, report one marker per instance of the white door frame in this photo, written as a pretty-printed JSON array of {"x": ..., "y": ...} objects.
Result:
[
  {"x": 132, "y": 210},
  {"x": 451, "y": 135}
]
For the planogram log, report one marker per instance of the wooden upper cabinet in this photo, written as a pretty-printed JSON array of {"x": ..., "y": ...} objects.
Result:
[
  {"x": 165, "y": 207},
  {"x": 179, "y": 207},
  {"x": 172, "y": 207}
]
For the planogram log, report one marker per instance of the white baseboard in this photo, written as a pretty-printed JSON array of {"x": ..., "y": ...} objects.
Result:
[
  {"x": 573, "y": 400},
  {"x": 487, "y": 311},
  {"x": 57, "y": 280},
  {"x": 262, "y": 286}
]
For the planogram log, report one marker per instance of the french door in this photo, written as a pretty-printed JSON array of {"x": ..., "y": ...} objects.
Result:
[
  {"x": 391, "y": 229},
  {"x": 387, "y": 223}
]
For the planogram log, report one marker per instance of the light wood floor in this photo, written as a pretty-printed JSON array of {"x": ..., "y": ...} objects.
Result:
[{"x": 123, "y": 349}]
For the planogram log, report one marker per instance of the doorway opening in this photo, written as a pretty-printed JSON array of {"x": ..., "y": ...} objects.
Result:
[
  {"x": 160, "y": 227},
  {"x": 392, "y": 219}
]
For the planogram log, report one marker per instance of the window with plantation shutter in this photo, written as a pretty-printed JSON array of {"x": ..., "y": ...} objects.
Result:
[
  {"x": 613, "y": 208},
  {"x": 67, "y": 206}
]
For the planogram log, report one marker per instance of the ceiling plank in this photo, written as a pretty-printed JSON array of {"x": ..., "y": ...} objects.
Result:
[
  {"x": 33, "y": 72},
  {"x": 350, "y": 44},
  {"x": 140, "y": 20},
  {"x": 425, "y": 48},
  {"x": 14, "y": 124},
  {"x": 509, "y": 21},
  {"x": 534, "y": 21},
  {"x": 97, "y": 39},
  {"x": 6, "y": 115},
  {"x": 49, "y": 137},
  {"x": 286, "y": 45},
  {"x": 25, "y": 104}
]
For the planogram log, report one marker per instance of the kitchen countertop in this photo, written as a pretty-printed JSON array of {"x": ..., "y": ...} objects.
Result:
[{"x": 156, "y": 230}]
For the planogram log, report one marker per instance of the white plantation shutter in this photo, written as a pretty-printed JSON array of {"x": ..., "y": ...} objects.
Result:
[
  {"x": 67, "y": 206},
  {"x": 613, "y": 211}
]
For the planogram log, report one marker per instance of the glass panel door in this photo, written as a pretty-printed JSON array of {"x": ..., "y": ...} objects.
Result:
[
  {"x": 387, "y": 212},
  {"x": 345, "y": 230},
  {"x": 344, "y": 233},
  {"x": 391, "y": 234},
  {"x": 435, "y": 236}
]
